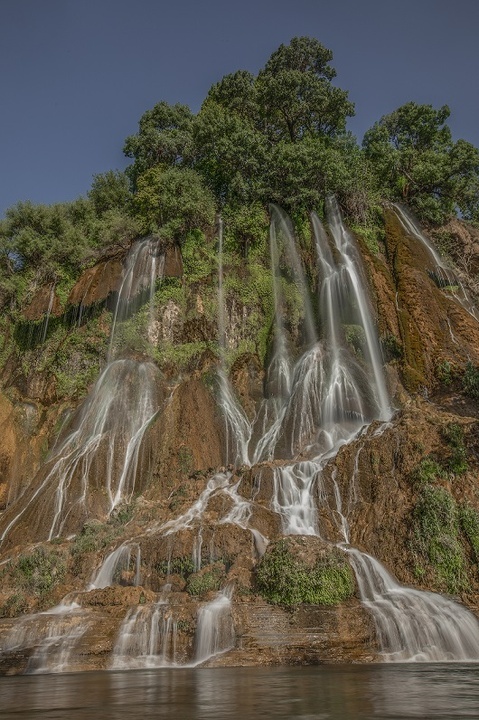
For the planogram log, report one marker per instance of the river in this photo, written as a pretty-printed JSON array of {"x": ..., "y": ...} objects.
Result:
[{"x": 339, "y": 692}]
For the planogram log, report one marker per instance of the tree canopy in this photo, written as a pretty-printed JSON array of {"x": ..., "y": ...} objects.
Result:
[{"x": 415, "y": 160}]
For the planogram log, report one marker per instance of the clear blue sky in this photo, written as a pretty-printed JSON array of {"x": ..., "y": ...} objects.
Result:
[{"x": 76, "y": 75}]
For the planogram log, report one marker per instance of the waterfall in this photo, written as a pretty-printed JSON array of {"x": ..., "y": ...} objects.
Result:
[
  {"x": 146, "y": 639},
  {"x": 214, "y": 631},
  {"x": 119, "y": 561},
  {"x": 350, "y": 263},
  {"x": 104, "y": 437},
  {"x": 442, "y": 274},
  {"x": 414, "y": 625}
]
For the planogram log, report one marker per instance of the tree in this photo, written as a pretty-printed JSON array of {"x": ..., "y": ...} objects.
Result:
[
  {"x": 296, "y": 95},
  {"x": 110, "y": 190},
  {"x": 415, "y": 160},
  {"x": 165, "y": 136},
  {"x": 172, "y": 201},
  {"x": 230, "y": 154}
]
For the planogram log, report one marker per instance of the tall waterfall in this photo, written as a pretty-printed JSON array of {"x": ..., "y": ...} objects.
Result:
[{"x": 99, "y": 451}]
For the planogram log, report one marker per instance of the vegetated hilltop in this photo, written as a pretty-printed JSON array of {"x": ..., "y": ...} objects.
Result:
[{"x": 279, "y": 137}]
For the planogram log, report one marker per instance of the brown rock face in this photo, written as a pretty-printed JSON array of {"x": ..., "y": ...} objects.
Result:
[
  {"x": 96, "y": 283},
  {"x": 44, "y": 302}
]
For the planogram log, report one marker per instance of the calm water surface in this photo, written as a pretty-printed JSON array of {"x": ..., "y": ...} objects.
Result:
[{"x": 358, "y": 692}]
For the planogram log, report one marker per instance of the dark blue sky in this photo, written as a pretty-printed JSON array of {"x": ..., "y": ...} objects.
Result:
[{"x": 76, "y": 75}]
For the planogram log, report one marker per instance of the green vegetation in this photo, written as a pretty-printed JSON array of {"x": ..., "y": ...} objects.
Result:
[
  {"x": 284, "y": 578},
  {"x": 200, "y": 583},
  {"x": 38, "y": 572},
  {"x": 457, "y": 463},
  {"x": 469, "y": 521},
  {"x": 470, "y": 381},
  {"x": 428, "y": 471},
  {"x": 436, "y": 537},
  {"x": 415, "y": 160},
  {"x": 182, "y": 565}
]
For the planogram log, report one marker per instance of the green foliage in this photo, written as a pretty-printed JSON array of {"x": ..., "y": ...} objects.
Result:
[
  {"x": 109, "y": 191},
  {"x": 283, "y": 578},
  {"x": 457, "y": 463},
  {"x": 182, "y": 566},
  {"x": 470, "y": 381},
  {"x": 164, "y": 137},
  {"x": 94, "y": 536},
  {"x": 428, "y": 471},
  {"x": 275, "y": 137},
  {"x": 296, "y": 95},
  {"x": 469, "y": 520},
  {"x": 415, "y": 159},
  {"x": 199, "y": 584},
  {"x": 444, "y": 372},
  {"x": 14, "y": 605},
  {"x": 436, "y": 537},
  {"x": 172, "y": 202},
  {"x": 391, "y": 347},
  {"x": 39, "y": 571}
]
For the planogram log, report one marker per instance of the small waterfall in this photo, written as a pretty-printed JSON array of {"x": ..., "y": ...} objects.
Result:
[
  {"x": 146, "y": 639},
  {"x": 294, "y": 498},
  {"x": 441, "y": 273},
  {"x": 283, "y": 230},
  {"x": 126, "y": 559},
  {"x": 144, "y": 265},
  {"x": 53, "y": 635},
  {"x": 413, "y": 625},
  {"x": 237, "y": 426},
  {"x": 215, "y": 630},
  {"x": 218, "y": 481}
]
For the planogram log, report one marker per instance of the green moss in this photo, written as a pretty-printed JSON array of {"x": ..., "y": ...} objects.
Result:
[
  {"x": 94, "y": 536},
  {"x": 283, "y": 578},
  {"x": 470, "y": 381},
  {"x": 181, "y": 356},
  {"x": 182, "y": 566},
  {"x": 201, "y": 583},
  {"x": 38, "y": 572},
  {"x": 469, "y": 520},
  {"x": 428, "y": 471},
  {"x": 436, "y": 537},
  {"x": 200, "y": 258}
]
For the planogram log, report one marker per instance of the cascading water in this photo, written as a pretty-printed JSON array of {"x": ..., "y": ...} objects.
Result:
[
  {"x": 313, "y": 403},
  {"x": 215, "y": 630},
  {"x": 414, "y": 625},
  {"x": 442, "y": 274},
  {"x": 358, "y": 303},
  {"x": 104, "y": 437}
]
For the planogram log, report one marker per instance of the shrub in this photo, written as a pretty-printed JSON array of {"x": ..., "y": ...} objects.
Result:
[
  {"x": 428, "y": 471},
  {"x": 469, "y": 520},
  {"x": 200, "y": 583},
  {"x": 285, "y": 579},
  {"x": 40, "y": 571},
  {"x": 470, "y": 381},
  {"x": 436, "y": 537}
]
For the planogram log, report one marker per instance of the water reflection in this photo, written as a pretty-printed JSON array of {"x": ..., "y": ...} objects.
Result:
[{"x": 391, "y": 692}]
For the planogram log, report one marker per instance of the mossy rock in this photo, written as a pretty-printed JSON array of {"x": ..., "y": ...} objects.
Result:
[{"x": 304, "y": 570}]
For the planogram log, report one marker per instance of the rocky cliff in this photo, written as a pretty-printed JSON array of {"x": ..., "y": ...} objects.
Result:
[{"x": 127, "y": 510}]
